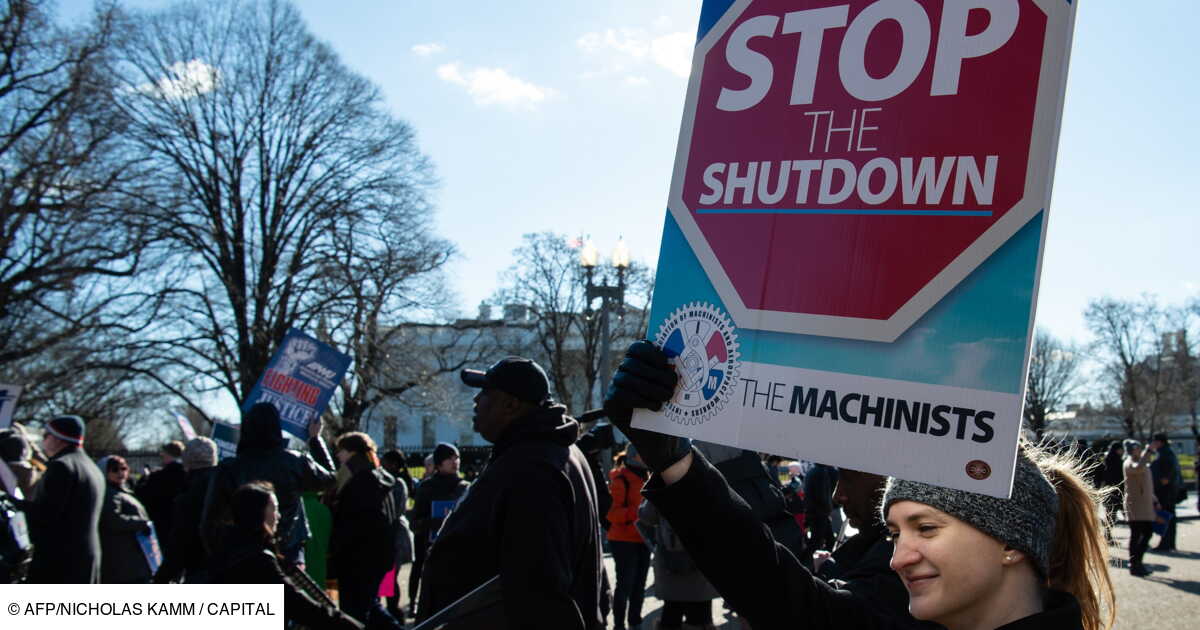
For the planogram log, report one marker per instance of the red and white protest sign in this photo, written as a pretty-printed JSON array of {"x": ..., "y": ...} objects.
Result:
[{"x": 869, "y": 155}]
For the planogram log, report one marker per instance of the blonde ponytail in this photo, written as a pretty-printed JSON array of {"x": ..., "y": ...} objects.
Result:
[{"x": 1079, "y": 552}]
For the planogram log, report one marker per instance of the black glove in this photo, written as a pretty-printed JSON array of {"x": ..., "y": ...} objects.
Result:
[{"x": 645, "y": 380}]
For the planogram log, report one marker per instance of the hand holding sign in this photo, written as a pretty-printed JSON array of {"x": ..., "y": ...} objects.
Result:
[{"x": 645, "y": 380}]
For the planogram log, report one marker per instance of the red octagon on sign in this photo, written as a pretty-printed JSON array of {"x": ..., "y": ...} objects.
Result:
[{"x": 843, "y": 165}]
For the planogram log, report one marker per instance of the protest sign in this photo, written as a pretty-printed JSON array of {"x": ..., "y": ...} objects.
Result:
[
  {"x": 849, "y": 265},
  {"x": 8, "y": 403},
  {"x": 226, "y": 436},
  {"x": 148, "y": 541},
  {"x": 185, "y": 426},
  {"x": 299, "y": 381}
]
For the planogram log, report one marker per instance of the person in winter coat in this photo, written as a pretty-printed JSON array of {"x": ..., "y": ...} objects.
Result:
[
  {"x": 17, "y": 453},
  {"x": 249, "y": 556},
  {"x": 122, "y": 560},
  {"x": 184, "y": 557},
  {"x": 1112, "y": 475},
  {"x": 630, "y": 552},
  {"x": 435, "y": 497},
  {"x": 752, "y": 481},
  {"x": 393, "y": 461},
  {"x": 261, "y": 456},
  {"x": 968, "y": 561},
  {"x": 159, "y": 489},
  {"x": 64, "y": 511},
  {"x": 362, "y": 545},
  {"x": 818, "y": 506},
  {"x": 1140, "y": 503},
  {"x": 1168, "y": 482},
  {"x": 530, "y": 517},
  {"x": 678, "y": 581}
]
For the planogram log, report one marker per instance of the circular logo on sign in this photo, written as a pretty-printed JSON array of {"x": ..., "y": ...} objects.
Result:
[
  {"x": 978, "y": 470},
  {"x": 699, "y": 339}
]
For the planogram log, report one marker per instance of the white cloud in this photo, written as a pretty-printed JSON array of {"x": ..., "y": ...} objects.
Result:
[
  {"x": 673, "y": 52},
  {"x": 495, "y": 86},
  {"x": 663, "y": 22},
  {"x": 619, "y": 47},
  {"x": 184, "y": 80},
  {"x": 626, "y": 41},
  {"x": 636, "y": 81},
  {"x": 425, "y": 50}
]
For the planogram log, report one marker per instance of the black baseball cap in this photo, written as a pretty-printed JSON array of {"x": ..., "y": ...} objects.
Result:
[{"x": 517, "y": 376}]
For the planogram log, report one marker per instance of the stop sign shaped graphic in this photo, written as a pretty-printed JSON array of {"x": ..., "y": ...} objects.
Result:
[{"x": 842, "y": 166}]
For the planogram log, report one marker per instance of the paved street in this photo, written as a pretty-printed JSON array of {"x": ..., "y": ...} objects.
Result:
[{"x": 1170, "y": 598}]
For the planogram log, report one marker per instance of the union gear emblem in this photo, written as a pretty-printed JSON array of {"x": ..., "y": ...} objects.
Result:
[{"x": 699, "y": 339}]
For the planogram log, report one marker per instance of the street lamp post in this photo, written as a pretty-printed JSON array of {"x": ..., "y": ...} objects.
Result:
[{"x": 610, "y": 296}]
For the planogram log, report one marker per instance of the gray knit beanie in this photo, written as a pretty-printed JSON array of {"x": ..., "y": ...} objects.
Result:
[
  {"x": 1024, "y": 522},
  {"x": 200, "y": 453}
]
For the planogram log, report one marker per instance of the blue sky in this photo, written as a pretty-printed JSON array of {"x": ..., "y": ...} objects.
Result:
[{"x": 563, "y": 116}]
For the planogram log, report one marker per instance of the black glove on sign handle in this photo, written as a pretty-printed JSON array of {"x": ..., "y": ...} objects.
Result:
[{"x": 645, "y": 380}]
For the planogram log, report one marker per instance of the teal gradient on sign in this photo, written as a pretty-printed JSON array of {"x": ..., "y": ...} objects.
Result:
[{"x": 974, "y": 338}]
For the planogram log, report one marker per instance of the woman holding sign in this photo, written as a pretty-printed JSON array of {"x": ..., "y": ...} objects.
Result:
[
  {"x": 122, "y": 519},
  {"x": 968, "y": 561}
]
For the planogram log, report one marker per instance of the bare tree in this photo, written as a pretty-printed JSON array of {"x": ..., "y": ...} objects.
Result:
[
  {"x": 71, "y": 237},
  {"x": 1053, "y": 377},
  {"x": 266, "y": 151},
  {"x": 1130, "y": 345},
  {"x": 547, "y": 283},
  {"x": 1187, "y": 363}
]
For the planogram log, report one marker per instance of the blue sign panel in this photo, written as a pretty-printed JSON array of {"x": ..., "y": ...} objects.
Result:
[{"x": 299, "y": 381}]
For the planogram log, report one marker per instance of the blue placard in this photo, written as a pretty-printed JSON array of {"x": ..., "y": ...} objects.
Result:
[
  {"x": 148, "y": 541},
  {"x": 299, "y": 381},
  {"x": 440, "y": 509},
  {"x": 226, "y": 436}
]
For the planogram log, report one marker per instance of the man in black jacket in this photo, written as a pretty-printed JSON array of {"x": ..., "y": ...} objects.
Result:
[
  {"x": 64, "y": 513},
  {"x": 1168, "y": 481},
  {"x": 261, "y": 456},
  {"x": 530, "y": 517},
  {"x": 434, "y": 498},
  {"x": 157, "y": 491}
]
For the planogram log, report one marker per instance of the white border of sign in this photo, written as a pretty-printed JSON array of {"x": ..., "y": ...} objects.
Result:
[
  {"x": 8, "y": 404},
  {"x": 1039, "y": 178}
]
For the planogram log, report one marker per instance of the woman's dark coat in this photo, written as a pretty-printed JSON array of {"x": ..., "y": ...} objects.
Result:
[
  {"x": 364, "y": 522},
  {"x": 123, "y": 518}
]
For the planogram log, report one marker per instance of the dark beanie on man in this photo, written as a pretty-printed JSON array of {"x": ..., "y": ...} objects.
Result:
[
  {"x": 69, "y": 429},
  {"x": 442, "y": 452}
]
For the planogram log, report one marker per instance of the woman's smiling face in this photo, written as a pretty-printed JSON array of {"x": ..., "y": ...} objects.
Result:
[{"x": 952, "y": 571}]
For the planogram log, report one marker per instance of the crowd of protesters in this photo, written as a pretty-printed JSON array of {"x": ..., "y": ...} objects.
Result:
[{"x": 521, "y": 544}]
